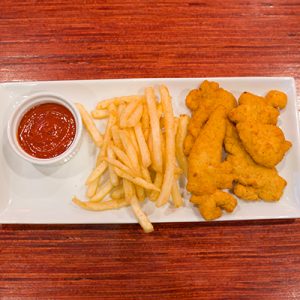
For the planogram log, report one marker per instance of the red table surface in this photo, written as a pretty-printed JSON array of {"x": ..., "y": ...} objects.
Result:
[{"x": 57, "y": 40}]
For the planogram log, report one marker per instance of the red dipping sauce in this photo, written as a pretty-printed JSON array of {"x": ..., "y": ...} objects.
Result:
[{"x": 46, "y": 130}]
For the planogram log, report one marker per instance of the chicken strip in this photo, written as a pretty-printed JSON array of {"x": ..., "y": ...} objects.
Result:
[
  {"x": 255, "y": 112},
  {"x": 276, "y": 99},
  {"x": 206, "y": 171},
  {"x": 210, "y": 206},
  {"x": 253, "y": 181},
  {"x": 203, "y": 102},
  {"x": 264, "y": 142}
]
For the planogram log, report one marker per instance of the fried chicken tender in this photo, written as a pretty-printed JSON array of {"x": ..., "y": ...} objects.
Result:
[
  {"x": 203, "y": 102},
  {"x": 264, "y": 142},
  {"x": 254, "y": 112},
  {"x": 210, "y": 206},
  {"x": 277, "y": 99},
  {"x": 253, "y": 181},
  {"x": 207, "y": 172}
]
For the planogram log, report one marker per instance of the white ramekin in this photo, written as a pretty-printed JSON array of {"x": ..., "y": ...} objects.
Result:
[{"x": 19, "y": 111}]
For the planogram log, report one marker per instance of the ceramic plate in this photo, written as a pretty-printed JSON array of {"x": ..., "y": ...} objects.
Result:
[{"x": 32, "y": 194}]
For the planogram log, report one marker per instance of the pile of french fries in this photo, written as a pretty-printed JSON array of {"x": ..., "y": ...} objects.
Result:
[{"x": 138, "y": 150}]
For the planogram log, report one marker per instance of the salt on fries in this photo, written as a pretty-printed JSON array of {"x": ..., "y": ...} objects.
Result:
[{"x": 137, "y": 153}]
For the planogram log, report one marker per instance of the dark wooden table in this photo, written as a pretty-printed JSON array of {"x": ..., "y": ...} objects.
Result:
[{"x": 56, "y": 40}]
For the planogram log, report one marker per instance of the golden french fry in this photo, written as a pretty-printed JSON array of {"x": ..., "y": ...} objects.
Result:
[
  {"x": 135, "y": 116},
  {"x": 136, "y": 180},
  {"x": 175, "y": 193},
  {"x": 102, "y": 191},
  {"x": 170, "y": 147},
  {"x": 100, "y": 206},
  {"x": 117, "y": 101},
  {"x": 115, "y": 136},
  {"x": 118, "y": 192},
  {"x": 92, "y": 188},
  {"x": 89, "y": 124},
  {"x": 177, "y": 171},
  {"x": 140, "y": 215},
  {"x": 112, "y": 175},
  {"x": 107, "y": 135},
  {"x": 140, "y": 193},
  {"x": 155, "y": 129},
  {"x": 145, "y": 122},
  {"x": 157, "y": 182},
  {"x": 146, "y": 174},
  {"x": 121, "y": 109},
  {"x": 159, "y": 110},
  {"x": 129, "y": 111},
  {"x": 97, "y": 172},
  {"x": 121, "y": 166},
  {"x": 100, "y": 114},
  {"x": 122, "y": 156},
  {"x": 130, "y": 150},
  {"x": 130, "y": 134},
  {"x": 179, "y": 141},
  {"x": 144, "y": 150}
]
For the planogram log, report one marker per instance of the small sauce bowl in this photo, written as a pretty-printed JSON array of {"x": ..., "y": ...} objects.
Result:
[{"x": 31, "y": 103}]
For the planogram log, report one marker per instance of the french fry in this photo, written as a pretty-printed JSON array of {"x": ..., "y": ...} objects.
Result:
[
  {"x": 135, "y": 116},
  {"x": 117, "y": 101},
  {"x": 122, "y": 156},
  {"x": 136, "y": 180},
  {"x": 89, "y": 124},
  {"x": 107, "y": 135},
  {"x": 175, "y": 193},
  {"x": 118, "y": 192},
  {"x": 112, "y": 175},
  {"x": 129, "y": 109},
  {"x": 144, "y": 150},
  {"x": 145, "y": 122},
  {"x": 101, "y": 206},
  {"x": 157, "y": 182},
  {"x": 155, "y": 129},
  {"x": 179, "y": 141},
  {"x": 130, "y": 150},
  {"x": 97, "y": 172},
  {"x": 92, "y": 188},
  {"x": 170, "y": 147},
  {"x": 121, "y": 109},
  {"x": 146, "y": 174},
  {"x": 140, "y": 193},
  {"x": 100, "y": 114},
  {"x": 159, "y": 110},
  {"x": 102, "y": 191},
  {"x": 131, "y": 136},
  {"x": 115, "y": 136},
  {"x": 121, "y": 166},
  {"x": 140, "y": 215}
]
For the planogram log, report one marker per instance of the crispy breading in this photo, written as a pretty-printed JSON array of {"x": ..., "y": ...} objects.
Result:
[
  {"x": 210, "y": 206},
  {"x": 207, "y": 172},
  {"x": 255, "y": 112},
  {"x": 203, "y": 102},
  {"x": 254, "y": 181},
  {"x": 277, "y": 99},
  {"x": 264, "y": 142}
]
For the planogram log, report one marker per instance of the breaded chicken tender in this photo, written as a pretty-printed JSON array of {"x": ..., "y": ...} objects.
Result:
[
  {"x": 210, "y": 206},
  {"x": 203, "y": 102},
  {"x": 253, "y": 181},
  {"x": 264, "y": 142},
  {"x": 277, "y": 99},
  {"x": 206, "y": 171},
  {"x": 254, "y": 112}
]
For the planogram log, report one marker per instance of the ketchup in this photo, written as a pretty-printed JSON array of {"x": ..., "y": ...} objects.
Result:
[{"x": 46, "y": 130}]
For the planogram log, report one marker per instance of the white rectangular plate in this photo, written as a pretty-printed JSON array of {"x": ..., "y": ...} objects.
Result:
[{"x": 32, "y": 194}]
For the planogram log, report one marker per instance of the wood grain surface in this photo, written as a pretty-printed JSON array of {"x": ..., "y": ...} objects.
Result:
[{"x": 56, "y": 40}]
